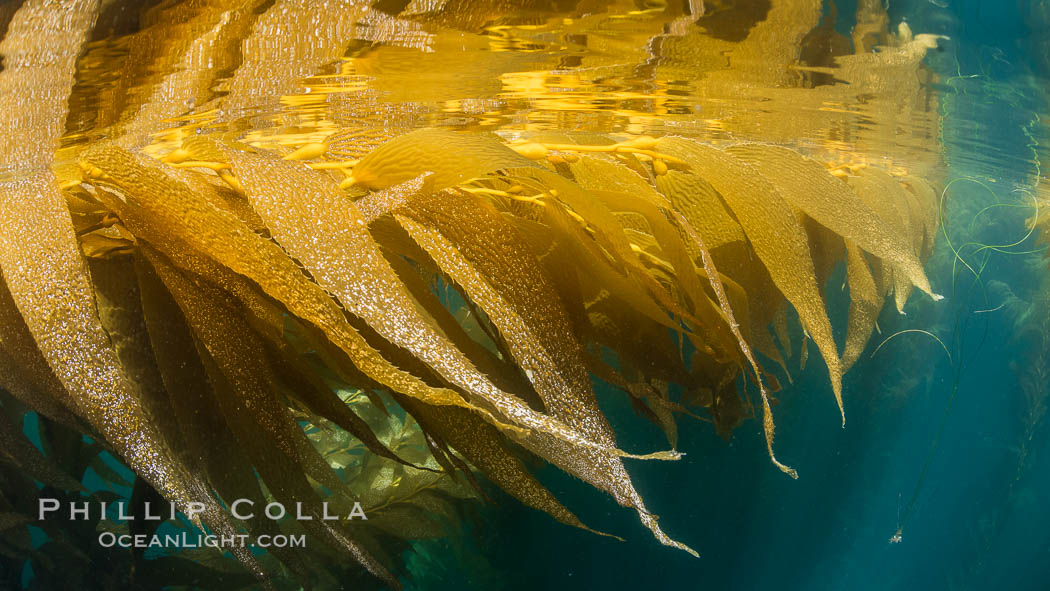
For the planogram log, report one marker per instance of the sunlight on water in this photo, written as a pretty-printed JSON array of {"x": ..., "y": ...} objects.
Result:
[{"x": 759, "y": 71}]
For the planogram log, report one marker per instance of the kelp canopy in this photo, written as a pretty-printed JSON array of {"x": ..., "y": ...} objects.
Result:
[{"x": 244, "y": 255}]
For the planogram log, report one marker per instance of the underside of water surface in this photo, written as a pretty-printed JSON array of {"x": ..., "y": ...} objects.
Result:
[{"x": 524, "y": 294}]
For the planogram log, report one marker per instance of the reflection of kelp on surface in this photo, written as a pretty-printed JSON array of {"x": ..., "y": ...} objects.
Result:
[{"x": 229, "y": 291}]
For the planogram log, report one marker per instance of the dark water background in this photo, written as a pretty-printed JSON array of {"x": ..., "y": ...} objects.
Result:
[{"x": 980, "y": 519}]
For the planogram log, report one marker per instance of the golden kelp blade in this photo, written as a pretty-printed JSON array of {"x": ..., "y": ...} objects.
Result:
[
  {"x": 633, "y": 194},
  {"x": 39, "y": 56},
  {"x": 776, "y": 235},
  {"x": 23, "y": 370},
  {"x": 709, "y": 324},
  {"x": 40, "y": 259},
  {"x": 376, "y": 204},
  {"x": 509, "y": 286},
  {"x": 701, "y": 206},
  {"x": 913, "y": 218},
  {"x": 314, "y": 223},
  {"x": 808, "y": 185},
  {"x": 43, "y": 269},
  {"x": 450, "y": 157},
  {"x": 928, "y": 202},
  {"x": 119, "y": 305},
  {"x": 597, "y": 463},
  {"x": 506, "y": 282},
  {"x": 482, "y": 445},
  {"x": 196, "y": 411},
  {"x": 574, "y": 247},
  {"x": 865, "y": 303},
  {"x": 183, "y": 225},
  {"x": 239, "y": 354},
  {"x": 880, "y": 193},
  {"x": 608, "y": 236},
  {"x": 280, "y": 451}
]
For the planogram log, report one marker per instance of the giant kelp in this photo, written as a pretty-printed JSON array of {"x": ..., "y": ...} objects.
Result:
[{"x": 192, "y": 299}]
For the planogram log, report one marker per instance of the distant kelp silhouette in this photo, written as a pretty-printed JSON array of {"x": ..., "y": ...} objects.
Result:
[{"x": 193, "y": 305}]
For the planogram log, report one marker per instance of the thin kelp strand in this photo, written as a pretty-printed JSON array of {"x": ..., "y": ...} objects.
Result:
[
  {"x": 995, "y": 309},
  {"x": 915, "y": 330},
  {"x": 723, "y": 301},
  {"x": 1001, "y": 248},
  {"x": 941, "y": 209}
]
